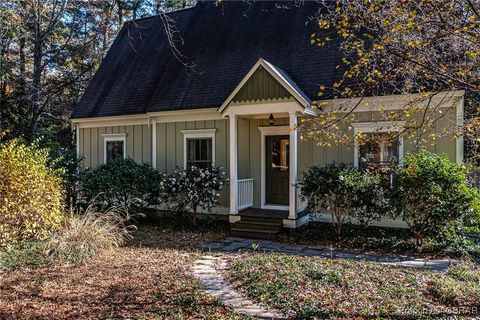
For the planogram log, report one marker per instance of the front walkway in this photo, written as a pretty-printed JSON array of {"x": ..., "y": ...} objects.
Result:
[{"x": 234, "y": 244}]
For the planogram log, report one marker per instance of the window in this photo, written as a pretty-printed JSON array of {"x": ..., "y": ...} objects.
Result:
[
  {"x": 114, "y": 146},
  {"x": 378, "y": 152},
  {"x": 380, "y": 148},
  {"x": 280, "y": 154},
  {"x": 199, "y": 148},
  {"x": 199, "y": 152}
]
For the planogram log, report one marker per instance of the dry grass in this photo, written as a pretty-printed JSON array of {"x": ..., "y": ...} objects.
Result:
[
  {"x": 134, "y": 282},
  {"x": 81, "y": 236}
]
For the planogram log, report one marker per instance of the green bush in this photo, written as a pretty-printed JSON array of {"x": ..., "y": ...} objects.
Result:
[
  {"x": 190, "y": 189},
  {"x": 433, "y": 197},
  {"x": 28, "y": 254},
  {"x": 345, "y": 191},
  {"x": 121, "y": 182},
  {"x": 30, "y": 193}
]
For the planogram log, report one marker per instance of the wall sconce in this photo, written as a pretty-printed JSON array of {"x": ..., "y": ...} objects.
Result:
[{"x": 271, "y": 120}]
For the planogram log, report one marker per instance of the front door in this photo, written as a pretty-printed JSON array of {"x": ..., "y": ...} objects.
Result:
[{"x": 277, "y": 162}]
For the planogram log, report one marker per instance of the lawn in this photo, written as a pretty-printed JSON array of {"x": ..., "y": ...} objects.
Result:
[
  {"x": 307, "y": 287},
  {"x": 149, "y": 278}
]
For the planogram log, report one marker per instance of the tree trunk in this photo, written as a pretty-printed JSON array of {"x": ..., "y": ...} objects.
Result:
[{"x": 194, "y": 215}]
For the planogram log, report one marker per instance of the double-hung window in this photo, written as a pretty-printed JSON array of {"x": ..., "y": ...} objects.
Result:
[
  {"x": 114, "y": 146},
  {"x": 199, "y": 148},
  {"x": 378, "y": 146}
]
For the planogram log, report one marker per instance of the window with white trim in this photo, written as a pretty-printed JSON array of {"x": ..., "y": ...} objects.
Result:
[
  {"x": 199, "y": 148},
  {"x": 378, "y": 146},
  {"x": 114, "y": 146},
  {"x": 378, "y": 152}
]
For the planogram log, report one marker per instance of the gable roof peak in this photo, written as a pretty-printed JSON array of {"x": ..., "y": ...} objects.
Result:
[{"x": 279, "y": 75}]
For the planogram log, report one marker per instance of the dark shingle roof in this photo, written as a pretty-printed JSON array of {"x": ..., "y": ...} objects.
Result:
[{"x": 140, "y": 73}]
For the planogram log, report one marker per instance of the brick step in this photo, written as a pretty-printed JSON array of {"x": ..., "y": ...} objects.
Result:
[{"x": 257, "y": 225}]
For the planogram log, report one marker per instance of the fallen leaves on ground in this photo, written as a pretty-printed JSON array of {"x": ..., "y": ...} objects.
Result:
[{"x": 152, "y": 282}]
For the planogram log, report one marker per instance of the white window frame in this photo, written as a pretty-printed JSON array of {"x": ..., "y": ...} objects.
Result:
[
  {"x": 109, "y": 137},
  {"x": 198, "y": 134},
  {"x": 377, "y": 127}
]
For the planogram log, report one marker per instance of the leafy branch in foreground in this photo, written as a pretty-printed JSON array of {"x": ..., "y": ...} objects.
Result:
[{"x": 426, "y": 47}]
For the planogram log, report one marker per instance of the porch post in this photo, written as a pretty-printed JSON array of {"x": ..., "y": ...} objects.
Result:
[
  {"x": 154, "y": 144},
  {"x": 233, "y": 164},
  {"x": 292, "y": 203}
]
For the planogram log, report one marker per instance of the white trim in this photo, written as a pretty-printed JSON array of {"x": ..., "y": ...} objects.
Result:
[
  {"x": 160, "y": 117},
  {"x": 459, "y": 147},
  {"x": 390, "y": 102},
  {"x": 114, "y": 137},
  {"x": 198, "y": 134},
  {"x": 233, "y": 164},
  {"x": 77, "y": 140},
  {"x": 277, "y": 77},
  {"x": 264, "y": 108},
  {"x": 373, "y": 127},
  {"x": 186, "y": 115},
  {"x": 154, "y": 144},
  {"x": 292, "y": 189},
  {"x": 264, "y": 132}
]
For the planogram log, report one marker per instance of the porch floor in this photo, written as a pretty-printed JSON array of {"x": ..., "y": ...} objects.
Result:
[{"x": 264, "y": 213}]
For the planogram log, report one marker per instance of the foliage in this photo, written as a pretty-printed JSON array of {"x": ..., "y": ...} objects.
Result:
[
  {"x": 193, "y": 188},
  {"x": 433, "y": 197},
  {"x": 460, "y": 285},
  {"x": 345, "y": 191},
  {"x": 30, "y": 193},
  {"x": 82, "y": 236},
  {"x": 399, "y": 47},
  {"x": 21, "y": 255},
  {"x": 311, "y": 288},
  {"x": 49, "y": 52},
  {"x": 121, "y": 182},
  {"x": 388, "y": 240}
]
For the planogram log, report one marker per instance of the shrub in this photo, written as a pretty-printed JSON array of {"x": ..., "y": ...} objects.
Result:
[
  {"x": 28, "y": 254},
  {"x": 193, "y": 188},
  {"x": 433, "y": 197},
  {"x": 81, "y": 236},
  {"x": 30, "y": 193},
  {"x": 345, "y": 191},
  {"x": 121, "y": 182}
]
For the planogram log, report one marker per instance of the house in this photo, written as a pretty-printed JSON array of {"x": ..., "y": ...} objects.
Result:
[{"x": 244, "y": 76}]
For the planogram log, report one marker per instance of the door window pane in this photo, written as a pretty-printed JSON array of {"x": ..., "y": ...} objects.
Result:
[
  {"x": 199, "y": 153},
  {"x": 115, "y": 149},
  {"x": 280, "y": 154}
]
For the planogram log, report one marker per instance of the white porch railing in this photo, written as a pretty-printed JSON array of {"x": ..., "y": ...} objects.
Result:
[{"x": 245, "y": 193}]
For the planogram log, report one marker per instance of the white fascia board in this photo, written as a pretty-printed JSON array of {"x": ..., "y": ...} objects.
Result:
[
  {"x": 264, "y": 108},
  {"x": 389, "y": 102}
]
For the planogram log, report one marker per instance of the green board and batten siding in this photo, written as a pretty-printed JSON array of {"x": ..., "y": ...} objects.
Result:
[
  {"x": 261, "y": 87},
  {"x": 139, "y": 143}
]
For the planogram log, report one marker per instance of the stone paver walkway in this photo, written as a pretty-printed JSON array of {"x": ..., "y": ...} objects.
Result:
[
  {"x": 233, "y": 244},
  {"x": 206, "y": 270}
]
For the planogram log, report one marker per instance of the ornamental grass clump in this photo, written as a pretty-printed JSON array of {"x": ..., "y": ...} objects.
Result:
[
  {"x": 190, "y": 189},
  {"x": 30, "y": 194},
  {"x": 81, "y": 236}
]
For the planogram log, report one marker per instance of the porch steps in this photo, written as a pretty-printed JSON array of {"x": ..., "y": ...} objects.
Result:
[{"x": 256, "y": 227}]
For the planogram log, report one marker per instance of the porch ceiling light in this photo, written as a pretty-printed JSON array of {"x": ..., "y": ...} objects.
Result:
[{"x": 271, "y": 120}]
